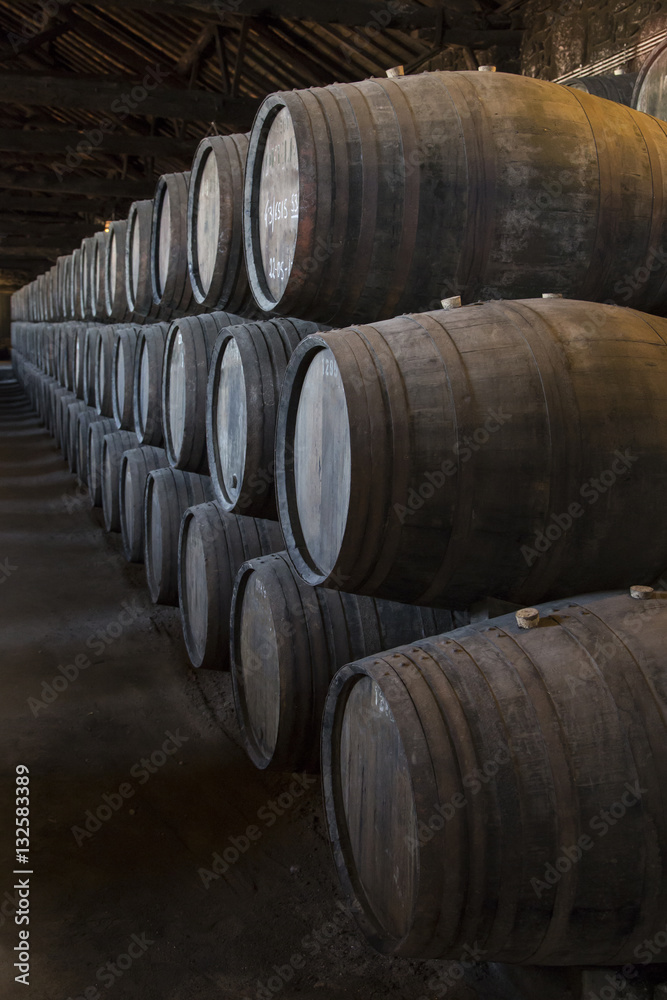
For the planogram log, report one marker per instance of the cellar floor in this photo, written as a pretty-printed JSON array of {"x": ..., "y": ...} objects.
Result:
[{"x": 124, "y": 895}]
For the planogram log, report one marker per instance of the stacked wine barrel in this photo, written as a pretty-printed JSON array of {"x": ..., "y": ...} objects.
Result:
[{"x": 337, "y": 512}]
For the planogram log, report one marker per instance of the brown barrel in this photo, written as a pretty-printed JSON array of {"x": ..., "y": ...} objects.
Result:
[
  {"x": 616, "y": 88},
  {"x": 147, "y": 383},
  {"x": 215, "y": 224},
  {"x": 122, "y": 389},
  {"x": 212, "y": 548},
  {"x": 90, "y": 363},
  {"x": 365, "y": 200},
  {"x": 187, "y": 358},
  {"x": 169, "y": 493},
  {"x": 170, "y": 280},
  {"x": 134, "y": 468},
  {"x": 506, "y": 787},
  {"x": 138, "y": 289},
  {"x": 97, "y": 430},
  {"x": 113, "y": 447},
  {"x": 81, "y": 424},
  {"x": 501, "y": 450},
  {"x": 288, "y": 640},
  {"x": 649, "y": 93},
  {"x": 246, "y": 375},
  {"x": 71, "y": 437},
  {"x": 115, "y": 293},
  {"x": 104, "y": 372}
]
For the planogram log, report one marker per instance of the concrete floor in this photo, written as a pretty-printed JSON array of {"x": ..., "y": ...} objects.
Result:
[{"x": 135, "y": 882}]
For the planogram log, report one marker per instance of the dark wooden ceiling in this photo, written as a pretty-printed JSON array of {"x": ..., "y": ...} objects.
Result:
[{"x": 97, "y": 100}]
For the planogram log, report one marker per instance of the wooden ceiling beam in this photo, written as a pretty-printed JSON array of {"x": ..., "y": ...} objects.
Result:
[
  {"x": 76, "y": 183},
  {"x": 119, "y": 143}
]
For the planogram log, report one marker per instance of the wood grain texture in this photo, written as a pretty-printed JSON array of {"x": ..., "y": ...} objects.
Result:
[
  {"x": 169, "y": 493},
  {"x": 475, "y": 433},
  {"x": 484, "y": 185},
  {"x": 246, "y": 375},
  {"x": 288, "y": 640},
  {"x": 520, "y": 745},
  {"x": 213, "y": 546}
]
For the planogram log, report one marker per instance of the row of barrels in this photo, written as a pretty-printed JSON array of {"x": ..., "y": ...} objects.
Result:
[
  {"x": 358, "y": 202},
  {"x": 481, "y": 780}
]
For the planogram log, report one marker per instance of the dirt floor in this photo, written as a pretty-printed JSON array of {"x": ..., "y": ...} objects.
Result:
[{"x": 98, "y": 701}]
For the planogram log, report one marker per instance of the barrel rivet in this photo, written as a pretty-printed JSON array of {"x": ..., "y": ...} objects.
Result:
[{"x": 528, "y": 618}]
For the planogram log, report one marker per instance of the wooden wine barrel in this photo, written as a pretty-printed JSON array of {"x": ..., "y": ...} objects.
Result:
[
  {"x": 104, "y": 372},
  {"x": 215, "y": 224},
  {"x": 187, "y": 358},
  {"x": 246, "y": 374},
  {"x": 500, "y": 450},
  {"x": 506, "y": 786},
  {"x": 115, "y": 293},
  {"x": 170, "y": 280},
  {"x": 70, "y": 436},
  {"x": 122, "y": 389},
  {"x": 79, "y": 359},
  {"x": 212, "y": 548},
  {"x": 147, "y": 383},
  {"x": 61, "y": 429},
  {"x": 87, "y": 278},
  {"x": 113, "y": 447},
  {"x": 134, "y": 468},
  {"x": 55, "y": 390},
  {"x": 169, "y": 493},
  {"x": 90, "y": 363},
  {"x": 98, "y": 282},
  {"x": 649, "y": 93},
  {"x": 97, "y": 430},
  {"x": 138, "y": 289},
  {"x": 366, "y": 200},
  {"x": 83, "y": 421},
  {"x": 288, "y": 640},
  {"x": 618, "y": 88}
]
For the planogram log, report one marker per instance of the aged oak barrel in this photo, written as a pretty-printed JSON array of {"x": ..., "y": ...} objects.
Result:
[
  {"x": 170, "y": 280},
  {"x": 79, "y": 359},
  {"x": 618, "y": 88},
  {"x": 365, "y": 200},
  {"x": 246, "y": 375},
  {"x": 61, "y": 429},
  {"x": 187, "y": 357},
  {"x": 98, "y": 277},
  {"x": 85, "y": 304},
  {"x": 213, "y": 546},
  {"x": 97, "y": 430},
  {"x": 134, "y": 468},
  {"x": 215, "y": 224},
  {"x": 501, "y": 449},
  {"x": 122, "y": 388},
  {"x": 506, "y": 786},
  {"x": 114, "y": 445},
  {"x": 649, "y": 93},
  {"x": 90, "y": 363},
  {"x": 71, "y": 450},
  {"x": 115, "y": 292},
  {"x": 104, "y": 372},
  {"x": 147, "y": 383},
  {"x": 83, "y": 421},
  {"x": 138, "y": 237},
  {"x": 75, "y": 288},
  {"x": 169, "y": 493},
  {"x": 288, "y": 640}
]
